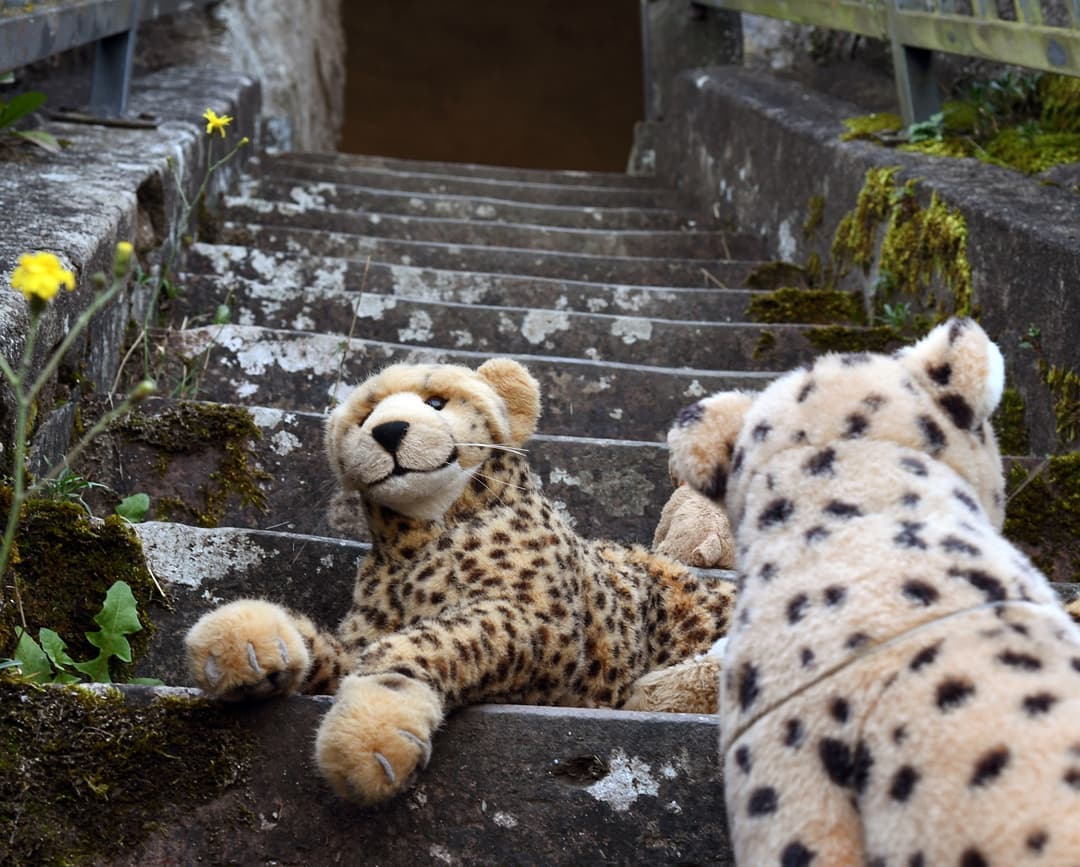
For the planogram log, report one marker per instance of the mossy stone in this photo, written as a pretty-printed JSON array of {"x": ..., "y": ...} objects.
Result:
[
  {"x": 65, "y": 564},
  {"x": 810, "y": 306},
  {"x": 1043, "y": 513},
  {"x": 86, "y": 776}
]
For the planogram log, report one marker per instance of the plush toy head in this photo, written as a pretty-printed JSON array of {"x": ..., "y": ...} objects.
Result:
[
  {"x": 411, "y": 437},
  {"x": 934, "y": 397}
]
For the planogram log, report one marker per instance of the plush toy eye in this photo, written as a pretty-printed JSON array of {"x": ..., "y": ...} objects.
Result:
[{"x": 436, "y": 402}]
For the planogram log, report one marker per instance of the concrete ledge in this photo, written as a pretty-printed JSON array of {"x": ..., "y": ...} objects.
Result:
[
  {"x": 108, "y": 185},
  {"x": 757, "y": 149}
]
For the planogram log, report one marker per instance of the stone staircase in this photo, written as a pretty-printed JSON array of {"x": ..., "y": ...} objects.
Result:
[{"x": 625, "y": 308}]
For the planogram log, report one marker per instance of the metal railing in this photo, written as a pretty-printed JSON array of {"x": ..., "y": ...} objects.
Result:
[
  {"x": 1039, "y": 35},
  {"x": 34, "y": 31}
]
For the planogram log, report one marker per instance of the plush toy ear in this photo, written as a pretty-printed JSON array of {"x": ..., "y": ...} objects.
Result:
[
  {"x": 519, "y": 391},
  {"x": 702, "y": 441},
  {"x": 962, "y": 368}
]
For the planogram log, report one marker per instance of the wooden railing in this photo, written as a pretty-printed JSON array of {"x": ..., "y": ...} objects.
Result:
[
  {"x": 31, "y": 31},
  {"x": 1040, "y": 35}
]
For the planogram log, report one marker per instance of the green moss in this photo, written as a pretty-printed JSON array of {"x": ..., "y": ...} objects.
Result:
[
  {"x": 1064, "y": 388},
  {"x": 191, "y": 427},
  {"x": 1043, "y": 514},
  {"x": 869, "y": 126},
  {"x": 766, "y": 342},
  {"x": 85, "y": 776},
  {"x": 855, "y": 241},
  {"x": 838, "y": 338},
  {"x": 65, "y": 564},
  {"x": 774, "y": 275},
  {"x": 1010, "y": 424},
  {"x": 815, "y": 215},
  {"x": 810, "y": 306},
  {"x": 1059, "y": 96}
]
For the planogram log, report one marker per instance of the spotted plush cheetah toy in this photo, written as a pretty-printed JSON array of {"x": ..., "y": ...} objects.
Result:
[
  {"x": 901, "y": 687},
  {"x": 475, "y": 589}
]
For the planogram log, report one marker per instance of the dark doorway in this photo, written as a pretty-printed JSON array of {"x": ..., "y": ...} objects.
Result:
[{"x": 542, "y": 83}]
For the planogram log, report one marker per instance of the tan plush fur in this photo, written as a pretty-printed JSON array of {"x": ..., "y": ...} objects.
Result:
[
  {"x": 694, "y": 530},
  {"x": 475, "y": 590},
  {"x": 901, "y": 686}
]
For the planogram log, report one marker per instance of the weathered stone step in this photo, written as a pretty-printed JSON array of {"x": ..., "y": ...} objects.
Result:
[
  {"x": 278, "y": 477},
  {"x": 328, "y": 299},
  {"x": 506, "y": 785},
  {"x": 640, "y": 270},
  {"x": 579, "y": 194},
  {"x": 539, "y": 331},
  {"x": 654, "y": 243},
  {"x": 299, "y": 371},
  {"x": 470, "y": 170},
  {"x": 485, "y": 209},
  {"x": 200, "y": 568}
]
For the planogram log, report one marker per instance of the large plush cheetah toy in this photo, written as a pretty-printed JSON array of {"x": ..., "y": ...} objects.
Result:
[
  {"x": 475, "y": 589},
  {"x": 901, "y": 687}
]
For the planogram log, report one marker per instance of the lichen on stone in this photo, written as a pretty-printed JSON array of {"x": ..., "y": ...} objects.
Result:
[
  {"x": 870, "y": 126},
  {"x": 839, "y": 338},
  {"x": 774, "y": 275},
  {"x": 86, "y": 775},
  {"x": 1010, "y": 423}
]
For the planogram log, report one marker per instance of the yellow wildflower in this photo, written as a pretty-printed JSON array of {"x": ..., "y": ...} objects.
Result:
[
  {"x": 40, "y": 276},
  {"x": 216, "y": 122}
]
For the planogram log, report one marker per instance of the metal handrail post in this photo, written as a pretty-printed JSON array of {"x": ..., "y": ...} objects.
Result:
[
  {"x": 913, "y": 69},
  {"x": 113, "y": 59}
]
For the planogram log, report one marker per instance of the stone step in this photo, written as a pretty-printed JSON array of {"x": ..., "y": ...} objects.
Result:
[
  {"x": 639, "y": 270},
  {"x": 538, "y": 192},
  {"x": 199, "y": 568},
  {"x": 651, "y": 243},
  {"x": 300, "y": 371},
  {"x": 537, "y": 331},
  {"x": 506, "y": 785},
  {"x": 287, "y": 298},
  {"x": 398, "y": 165},
  {"x": 607, "y": 488},
  {"x": 484, "y": 209}
]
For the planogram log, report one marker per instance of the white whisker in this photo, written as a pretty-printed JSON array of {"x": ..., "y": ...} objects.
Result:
[
  {"x": 481, "y": 476},
  {"x": 498, "y": 447}
]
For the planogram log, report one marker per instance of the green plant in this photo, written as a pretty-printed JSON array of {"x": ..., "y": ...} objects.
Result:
[
  {"x": 20, "y": 106},
  {"x": 134, "y": 508},
  {"x": 931, "y": 129},
  {"x": 69, "y": 487},
  {"x": 47, "y": 660},
  {"x": 39, "y": 276},
  {"x": 896, "y": 316}
]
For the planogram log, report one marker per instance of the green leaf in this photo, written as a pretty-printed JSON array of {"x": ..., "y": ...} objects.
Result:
[
  {"x": 147, "y": 681},
  {"x": 32, "y": 659},
  {"x": 44, "y": 140},
  {"x": 222, "y": 314},
  {"x": 20, "y": 105},
  {"x": 55, "y": 648},
  {"x": 134, "y": 508},
  {"x": 8, "y": 663},
  {"x": 118, "y": 617}
]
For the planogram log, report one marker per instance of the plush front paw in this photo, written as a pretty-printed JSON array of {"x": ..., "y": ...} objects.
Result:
[
  {"x": 377, "y": 736},
  {"x": 247, "y": 649}
]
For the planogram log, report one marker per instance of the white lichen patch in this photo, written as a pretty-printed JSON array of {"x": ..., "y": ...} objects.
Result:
[
  {"x": 374, "y": 306},
  {"x": 628, "y": 779},
  {"x": 616, "y": 413},
  {"x": 504, "y": 820},
  {"x": 284, "y": 443},
  {"x": 631, "y": 329},
  {"x": 312, "y": 196},
  {"x": 440, "y": 853},
  {"x": 788, "y": 246},
  {"x": 559, "y": 476},
  {"x": 462, "y": 339},
  {"x": 419, "y": 330},
  {"x": 485, "y": 212},
  {"x": 694, "y": 390},
  {"x": 191, "y": 556},
  {"x": 538, "y": 325}
]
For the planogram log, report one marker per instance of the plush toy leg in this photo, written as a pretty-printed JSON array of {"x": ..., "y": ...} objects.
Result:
[
  {"x": 691, "y": 686},
  {"x": 377, "y": 735}
]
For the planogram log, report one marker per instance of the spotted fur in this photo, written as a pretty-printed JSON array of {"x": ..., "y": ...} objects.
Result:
[
  {"x": 476, "y": 589},
  {"x": 901, "y": 686}
]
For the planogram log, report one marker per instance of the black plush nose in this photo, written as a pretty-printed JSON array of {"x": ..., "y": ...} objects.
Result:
[{"x": 390, "y": 434}]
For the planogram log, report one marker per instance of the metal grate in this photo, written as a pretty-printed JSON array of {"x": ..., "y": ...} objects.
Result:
[{"x": 1038, "y": 34}]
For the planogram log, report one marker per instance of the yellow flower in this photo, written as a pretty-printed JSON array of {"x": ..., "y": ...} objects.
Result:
[
  {"x": 40, "y": 275},
  {"x": 216, "y": 122}
]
